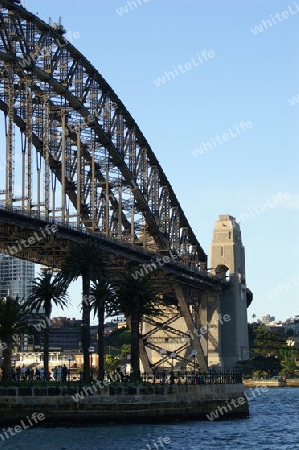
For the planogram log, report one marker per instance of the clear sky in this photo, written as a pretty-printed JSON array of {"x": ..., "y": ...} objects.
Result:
[{"x": 247, "y": 74}]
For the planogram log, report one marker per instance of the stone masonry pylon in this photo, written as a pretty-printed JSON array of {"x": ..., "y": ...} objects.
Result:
[{"x": 227, "y": 261}]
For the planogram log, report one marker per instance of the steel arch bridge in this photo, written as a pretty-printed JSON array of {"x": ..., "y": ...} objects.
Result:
[{"x": 75, "y": 156}]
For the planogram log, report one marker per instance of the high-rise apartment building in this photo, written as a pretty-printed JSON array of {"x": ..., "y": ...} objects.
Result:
[{"x": 16, "y": 276}]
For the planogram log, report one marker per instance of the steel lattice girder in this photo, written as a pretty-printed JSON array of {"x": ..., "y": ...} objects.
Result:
[
  {"x": 75, "y": 130},
  {"x": 110, "y": 180},
  {"x": 16, "y": 226}
]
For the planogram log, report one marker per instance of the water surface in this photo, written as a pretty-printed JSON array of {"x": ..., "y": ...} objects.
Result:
[{"x": 273, "y": 424}]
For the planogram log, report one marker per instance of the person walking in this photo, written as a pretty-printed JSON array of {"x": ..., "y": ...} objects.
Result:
[
  {"x": 64, "y": 372},
  {"x": 59, "y": 373}
]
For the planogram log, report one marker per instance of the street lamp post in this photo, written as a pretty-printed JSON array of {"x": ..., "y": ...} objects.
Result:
[
  {"x": 172, "y": 356},
  {"x": 194, "y": 354},
  {"x": 91, "y": 350},
  {"x": 14, "y": 362},
  {"x": 69, "y": 358},
  {"x": 163, "y": 353}
]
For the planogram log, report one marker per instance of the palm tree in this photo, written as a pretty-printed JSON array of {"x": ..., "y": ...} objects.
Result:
[
  {"x": 85, "y": 259},
  {"x": 102, "y": 295},
  {"x": 45, "y": 291},
  {"x": 14, "y": 320},
  {"x": 135, "y": 298}
]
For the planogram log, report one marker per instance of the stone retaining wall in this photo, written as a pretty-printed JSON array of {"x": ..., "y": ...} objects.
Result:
[{"x": 120, "y": 403}]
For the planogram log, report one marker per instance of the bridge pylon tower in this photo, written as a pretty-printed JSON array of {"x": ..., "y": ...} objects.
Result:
[{"x": 228, "y": 263}]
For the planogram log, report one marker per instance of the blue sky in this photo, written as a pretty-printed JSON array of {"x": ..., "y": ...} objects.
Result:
[{"x": 252, "y": 77}]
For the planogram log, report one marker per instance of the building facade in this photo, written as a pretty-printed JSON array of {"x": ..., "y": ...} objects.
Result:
[{"x": 16, "y": 276}]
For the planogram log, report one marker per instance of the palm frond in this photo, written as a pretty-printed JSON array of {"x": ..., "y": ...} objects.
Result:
[
  {"x": 84, "y": 256},
  {"x": 102, "y": 295},
  {"x": 141, "y": 293},
  {"x": 14, "y": 317},
  {"x": 45, "y": 290}
]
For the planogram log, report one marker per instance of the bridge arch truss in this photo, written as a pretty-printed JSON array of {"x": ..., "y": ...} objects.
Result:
[{"x": 73, "y": 153}]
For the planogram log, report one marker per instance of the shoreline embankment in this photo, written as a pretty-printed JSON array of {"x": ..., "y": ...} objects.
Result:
[
  {"x": 63, "y": 405},
  {"x": 289, "y": 382}
]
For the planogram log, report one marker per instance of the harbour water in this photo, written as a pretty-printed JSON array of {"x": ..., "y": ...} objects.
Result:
[{"x": 273, "y": 424}]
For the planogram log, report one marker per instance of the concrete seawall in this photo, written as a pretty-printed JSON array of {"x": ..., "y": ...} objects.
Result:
[
  {"x": 122, "y": 403},
  {"x": 289, "y": 382}
]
